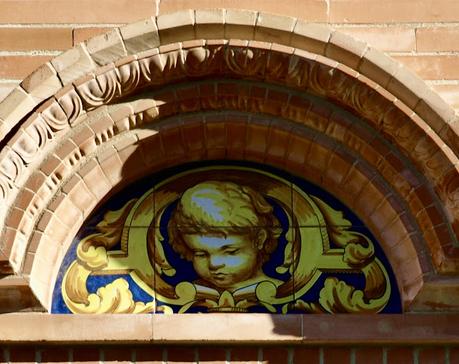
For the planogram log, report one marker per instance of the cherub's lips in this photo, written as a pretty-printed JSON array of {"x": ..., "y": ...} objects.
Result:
[{"x": 219, "y": 276}]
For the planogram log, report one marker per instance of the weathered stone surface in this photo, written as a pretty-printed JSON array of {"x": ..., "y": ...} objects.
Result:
[
  {"x": 106, "y": 48},
  {"x": 73, "y": 63},
  {"x": 42, "y": 83},
  {"x": 13, "y": 108},
  {"x": 140, "y": 36}
]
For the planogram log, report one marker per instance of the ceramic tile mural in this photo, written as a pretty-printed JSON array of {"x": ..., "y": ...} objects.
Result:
[{"x": 224, "y": 237}]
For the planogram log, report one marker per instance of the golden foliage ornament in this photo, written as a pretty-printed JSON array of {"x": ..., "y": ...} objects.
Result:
[{"x": 221, "y": 219}]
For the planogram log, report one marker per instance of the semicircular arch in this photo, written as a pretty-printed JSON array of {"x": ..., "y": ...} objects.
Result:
[{"x": 362, "y": 109}]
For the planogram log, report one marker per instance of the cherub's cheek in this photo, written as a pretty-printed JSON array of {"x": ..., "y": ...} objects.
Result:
[
  {"x": 200, "y": 265},
  {"x": 236, "y": 261}
]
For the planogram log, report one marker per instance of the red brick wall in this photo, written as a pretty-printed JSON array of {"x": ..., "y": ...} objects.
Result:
[{"x": 231, "y": 355}]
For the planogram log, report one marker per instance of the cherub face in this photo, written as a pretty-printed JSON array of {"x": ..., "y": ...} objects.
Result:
[{"x": 228, "y": 262}]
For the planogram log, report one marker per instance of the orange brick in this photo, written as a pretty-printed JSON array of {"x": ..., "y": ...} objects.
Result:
[
  {"x": 306, "y": 355},
  {"x": 393, "y": 11},
  {"x": 337, "y": 355},
  {"x": 311, "y": 10},
  {"x": 70, "y": 11},
  {"x": 117, "y": 355},
  {"x": 389, "y": 39},
  {"x": 23, "y": 39},
  {"x": 82, "y": 34},
  {"x": 22, "y": 354},
  {"x": 437, "y": 39},
  {"x": 454, "y": 355},
  {"x": 149, "y": 354},
  {"x": 18, "y": 67},
  {"x": 85, "y": 354},
  {"x": 369, "y": 355},
  {"x": 244, "y": 355},
  {"x": 400, "y": 355},
  {"x": 181, "y": 355},
  {"x": 275, "y": 355},
  {"x": 432, "y": 355},
  {"x": 433, "y": 67},
  {"x": 54, "y": 355},
  {"x": 212, "y": 355}
]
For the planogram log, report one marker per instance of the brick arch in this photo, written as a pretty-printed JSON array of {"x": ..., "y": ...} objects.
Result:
[
  {"x": 115, "y": 162},
  {"x": 114, "y": 88}
]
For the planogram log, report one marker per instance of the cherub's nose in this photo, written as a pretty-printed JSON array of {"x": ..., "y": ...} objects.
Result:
[{"x": 216, "y": 262}]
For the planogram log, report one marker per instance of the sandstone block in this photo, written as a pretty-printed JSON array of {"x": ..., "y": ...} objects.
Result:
[
  {"x": 15, "y": 106},
  {"x": 378, "y": 67},
  {"x": 42, "y": 83},
  {"x": 176, "y": 27},
  {"x": 274, "y": 28},
  {"x": 345, "y": 49},
  {"x": 210, "y": 23},
  {"x": 310, "y": 37},
  {"x": 74, "y": 63},
  {"x": 239, "y": 24},
  {"x": 140, "y": 36},
  {"x": 106, "y": 48}
]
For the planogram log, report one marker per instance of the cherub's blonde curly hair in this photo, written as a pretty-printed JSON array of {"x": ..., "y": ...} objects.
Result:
[{"x": 223, "y": 208}]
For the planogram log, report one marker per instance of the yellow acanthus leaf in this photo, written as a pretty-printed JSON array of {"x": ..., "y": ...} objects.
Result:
[
  {"x": 310, "y": 307},
  {"x": 165, "y": 309},
  {"x": 375, "y": 280},
  {"x": 74, "y": 284},
  {"x": 92, "y": 256},
  {"x": 359, "y": 251},
  {"x": 115, "y": 297},
  {"x": 162, "y": 265},
  {"x": 112, "y": 224},
  {"x": 338, "y": 297}
]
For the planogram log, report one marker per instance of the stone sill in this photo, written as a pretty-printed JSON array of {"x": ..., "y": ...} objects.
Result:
[{"x": 196, "y": 329}]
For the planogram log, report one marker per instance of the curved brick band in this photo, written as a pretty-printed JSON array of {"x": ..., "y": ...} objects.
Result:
[{"x": 143, "y": 97}]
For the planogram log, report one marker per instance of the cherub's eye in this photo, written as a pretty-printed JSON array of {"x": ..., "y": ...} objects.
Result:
[
  {"x": 199, "y": 254},
  {"x": 231, "y": 251}
]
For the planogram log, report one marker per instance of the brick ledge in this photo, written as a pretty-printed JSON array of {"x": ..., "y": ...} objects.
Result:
[{"x": 412, "y": 329}]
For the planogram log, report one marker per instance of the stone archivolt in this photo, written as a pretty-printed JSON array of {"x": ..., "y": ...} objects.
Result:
[{"x": 313, "y": 102}]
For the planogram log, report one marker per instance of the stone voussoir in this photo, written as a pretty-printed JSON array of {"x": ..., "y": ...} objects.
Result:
[
  {"x": 106, "y": 48},
  {"x": 140, "y": 36},
  {"x": 274, "y": 28},
  {"x": 74, "y": 63},
  {"x": 210, "y": 23}
]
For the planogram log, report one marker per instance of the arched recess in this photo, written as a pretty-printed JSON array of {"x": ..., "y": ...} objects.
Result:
[{"x": 200, "y": 85}]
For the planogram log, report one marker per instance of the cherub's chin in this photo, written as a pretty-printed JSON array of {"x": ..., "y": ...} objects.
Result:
[{"x": 221, "y": 280}]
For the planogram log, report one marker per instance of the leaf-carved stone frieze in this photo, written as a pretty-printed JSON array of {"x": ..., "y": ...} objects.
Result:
[
  {"x": 54, "y": 116},
  {"x": 72, "y": 105},
  {"x": 100, "y": 90}
]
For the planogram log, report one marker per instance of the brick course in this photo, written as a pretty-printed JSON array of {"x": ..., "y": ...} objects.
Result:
[{"x": 230, "y": 354}]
